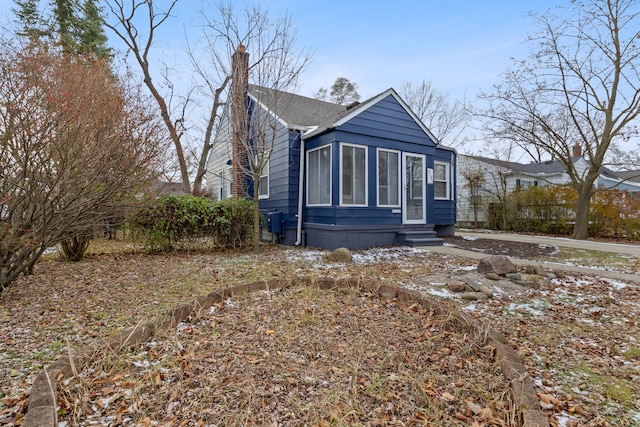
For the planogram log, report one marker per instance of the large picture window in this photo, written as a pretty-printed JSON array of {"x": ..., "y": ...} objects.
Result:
[
  {"x": 353, "y": 175},
  {"x": 319, "y": 176},
  {"x": 388, "y": 178},
  {"x": 441, "y": 181}
]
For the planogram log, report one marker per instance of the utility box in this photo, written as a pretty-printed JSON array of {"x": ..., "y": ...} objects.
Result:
[{"x": 274, "y": 222}]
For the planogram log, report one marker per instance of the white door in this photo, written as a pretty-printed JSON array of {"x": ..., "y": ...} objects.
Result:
[{"x": 413, "y": 189}]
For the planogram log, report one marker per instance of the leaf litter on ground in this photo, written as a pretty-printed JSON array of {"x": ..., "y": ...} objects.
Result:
[{"x": 578, "y": 335}]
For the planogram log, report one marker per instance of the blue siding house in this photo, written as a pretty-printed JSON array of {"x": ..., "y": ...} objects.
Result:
[{"x": 368, "y": 174}]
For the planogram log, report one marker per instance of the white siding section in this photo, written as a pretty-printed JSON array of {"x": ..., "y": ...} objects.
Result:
[{"x": 218, "y": 164}]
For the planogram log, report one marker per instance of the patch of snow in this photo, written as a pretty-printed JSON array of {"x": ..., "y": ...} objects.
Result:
[
  {"x": 470, "y": 307},
  {"x": 617, "y": 284},
  {"x": 384, "y": 254},
  {"x": 442, "y": 292},
  {"x": 469, "y": 238},
  {"x": 467, "y": 268},
  {"x": 534, "y": 307},
  {"x": 564, "y": 419}
]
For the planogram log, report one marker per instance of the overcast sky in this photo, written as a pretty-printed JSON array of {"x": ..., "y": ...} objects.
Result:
[{"x": 461, "y": 46}]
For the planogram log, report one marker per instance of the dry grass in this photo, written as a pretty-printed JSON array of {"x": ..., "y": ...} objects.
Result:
[
  {"x": 578, "y": 336},
  {"x": 298, "y": 357}
]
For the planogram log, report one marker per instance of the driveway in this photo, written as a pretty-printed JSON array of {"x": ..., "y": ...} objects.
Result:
[{"x": 633, "y": 250}]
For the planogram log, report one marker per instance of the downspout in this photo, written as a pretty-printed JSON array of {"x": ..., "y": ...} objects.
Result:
[
  {"x": 300, "y": 185},
  {"x": 300, "y": 193}
]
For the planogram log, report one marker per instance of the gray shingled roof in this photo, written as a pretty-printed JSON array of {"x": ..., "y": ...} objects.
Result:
[
  {"x": 297, "y": 111},
  {"x": 633, "y": 176},
  {"x": 549, "y": 167}
]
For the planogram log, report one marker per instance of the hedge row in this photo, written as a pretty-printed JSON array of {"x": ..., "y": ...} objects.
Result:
[
  {"x": 170, "y": 219},
  {"x": 550, "y": 209}
]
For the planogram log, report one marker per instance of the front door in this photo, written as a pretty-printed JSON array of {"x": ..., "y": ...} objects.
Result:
[{"x": 413, "y": 189}]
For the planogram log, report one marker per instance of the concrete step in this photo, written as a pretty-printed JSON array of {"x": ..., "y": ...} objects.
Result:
[{"x": 428, "y": 241}]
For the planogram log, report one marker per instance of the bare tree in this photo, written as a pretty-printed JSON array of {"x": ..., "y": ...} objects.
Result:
[
  {"x": 136, "y": 24},
  {"x": 274, "y": 72},
  {"x": 343, "y": 92},
  {"x": 270, "y": 40},
  {"x": 580, "y": 88},
  {"x": 445, "y": 119},
  {"x": 73, "y": 142}
]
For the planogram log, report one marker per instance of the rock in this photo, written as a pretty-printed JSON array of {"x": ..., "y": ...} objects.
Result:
[
  {"x": 493, "y": 276},
  {"x": 340, "y": 255},
  {"x": 552, "y": 275},
  {"x": 531, "y": 278},
  {"x": 485, "y": 290},
  {"x": 455, "y": 286},
  {"x": 473, "y": 296},
  {"x": 540, "y": 270},
  {"x": 536, "y": 269},
  {"x": 527, "y": 284},
  {"x": 514, "y": 276},
  {"x": 498, "y": 264},
  {"x": 471, "y": 285}
]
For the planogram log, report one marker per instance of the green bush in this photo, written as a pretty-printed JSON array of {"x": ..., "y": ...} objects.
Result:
[{"x": 168, "y": 220}]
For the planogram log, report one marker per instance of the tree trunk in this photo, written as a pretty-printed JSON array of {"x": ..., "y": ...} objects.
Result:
[
  {"x": 256, "y": 215},
  {"x": 581, "y": 227}
]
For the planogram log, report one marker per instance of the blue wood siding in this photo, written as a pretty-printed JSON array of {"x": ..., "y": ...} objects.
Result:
[
  {"x": 443, "y": 212},
  {"x": 284, "y": 166},
  {"x": 384, "y": 125},
  {"x": 388, "y": 120}
]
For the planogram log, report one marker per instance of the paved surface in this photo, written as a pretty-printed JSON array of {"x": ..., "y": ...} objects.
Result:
[
  {"x": 553, "y": 241},
  {"x": 558, "y": 241}
]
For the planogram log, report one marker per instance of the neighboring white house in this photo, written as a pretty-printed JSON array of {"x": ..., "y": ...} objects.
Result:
[{"x": 482, "y": 180}]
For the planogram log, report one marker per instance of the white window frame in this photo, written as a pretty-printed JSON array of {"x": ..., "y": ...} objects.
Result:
[
  {"x": 261, "y": 193},
  {"x": 229, "y": 182},
  {"x": 366, "y": 174},
  {"x": 308, "y": 169},
  {"x": 447, "y": 180},
  {"x": 399, "y": 178}
]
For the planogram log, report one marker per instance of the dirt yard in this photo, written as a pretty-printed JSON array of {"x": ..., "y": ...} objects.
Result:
[{"x": 304, "y": 358}]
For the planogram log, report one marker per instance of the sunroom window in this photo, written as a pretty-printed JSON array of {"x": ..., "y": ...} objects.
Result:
[
  {"x": 319, "y": 176},
  {"x": 388, "y": 178},
  {"x": 353, "y": 176}
]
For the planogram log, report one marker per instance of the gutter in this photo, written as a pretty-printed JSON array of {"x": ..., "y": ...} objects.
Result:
[
  {"x": 301, "y": 183},
  {"x": 300, "y": 193}
]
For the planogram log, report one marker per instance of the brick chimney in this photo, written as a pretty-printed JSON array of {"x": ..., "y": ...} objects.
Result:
[
  {"x": 239, "y": 125},
  {"x": 577, "y": 151}
]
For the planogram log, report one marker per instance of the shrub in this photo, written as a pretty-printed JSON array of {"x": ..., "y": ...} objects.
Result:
[
  {"x": 170, "y": 219},
  {"x": 551, "y": 209}
]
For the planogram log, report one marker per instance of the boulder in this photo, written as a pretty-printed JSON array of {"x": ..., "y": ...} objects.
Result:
[
  {"x": 498, "y": 264},
  {"x": 340, "y": 255},
  {"x": 455, "y": 286}
]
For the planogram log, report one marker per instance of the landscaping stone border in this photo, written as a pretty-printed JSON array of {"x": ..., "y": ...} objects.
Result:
[{"x": 41, "y": 411}]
